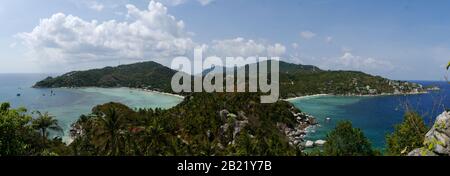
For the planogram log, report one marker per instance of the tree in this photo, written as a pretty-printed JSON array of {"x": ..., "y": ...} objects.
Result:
[
  {"x": 13, "y": 131},
  {"x": 45, "y": 122},
  {"x": 345, "y": 140},
  {"x": 406, "y": 136},
  {"x": 109, "y": 131}
]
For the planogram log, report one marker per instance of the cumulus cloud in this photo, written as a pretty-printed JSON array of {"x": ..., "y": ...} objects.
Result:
[
  {"x": 348, "y": 61},
  {"x": 307, "y": 34},
  {"x": 244, "y": 48},
  {"x": 150, "y": 33}
]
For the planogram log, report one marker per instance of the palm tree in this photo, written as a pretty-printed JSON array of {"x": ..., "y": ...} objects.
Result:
[
  {"x": 109, "y": 131},
  {"x": 45, "y": 122}
]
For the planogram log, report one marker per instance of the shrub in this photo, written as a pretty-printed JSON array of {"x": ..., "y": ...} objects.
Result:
[{"x": 345, "y": 140}]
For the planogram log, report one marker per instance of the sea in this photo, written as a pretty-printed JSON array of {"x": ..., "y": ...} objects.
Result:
[
  {"x": 375, "y": 115},
  {"x": 67, "y": 104}
]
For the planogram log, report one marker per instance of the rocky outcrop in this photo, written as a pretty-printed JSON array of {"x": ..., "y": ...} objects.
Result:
[
  {"x": 319, "y": 142},
  {"x": 437, "y": 140},
  {"x": 297, "y": 134},
  {"x": 421, "y": 152},
  {"x": 309, "y": 144},
  {"x": 233, "y": 122}
]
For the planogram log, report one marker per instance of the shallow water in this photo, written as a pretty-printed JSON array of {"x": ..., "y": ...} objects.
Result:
[{"x": 68, "y": 104}]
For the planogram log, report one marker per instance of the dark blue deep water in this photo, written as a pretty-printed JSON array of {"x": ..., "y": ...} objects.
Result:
[{"x": 376, "y": 115}]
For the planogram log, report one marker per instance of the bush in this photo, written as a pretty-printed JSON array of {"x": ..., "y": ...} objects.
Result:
[
  {"x": 406, "y": 136},
  {"x": 345, "y": 140}
]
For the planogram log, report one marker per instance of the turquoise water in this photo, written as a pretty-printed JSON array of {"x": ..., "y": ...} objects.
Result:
[
  {"x": 376, "y": 116},
  {"x": 68, "y": 104}
]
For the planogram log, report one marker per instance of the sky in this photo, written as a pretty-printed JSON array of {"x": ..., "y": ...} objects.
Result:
[{"x": 401, "y": 39}]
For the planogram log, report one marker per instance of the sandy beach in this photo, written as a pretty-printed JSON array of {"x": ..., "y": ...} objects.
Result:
[
  {"x": 154, "y": 91},
  {"x": 306, "y": 96},
  {"x": 382, "y": 94}
]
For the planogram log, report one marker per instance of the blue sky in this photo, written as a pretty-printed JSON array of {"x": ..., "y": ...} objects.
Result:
[{"x": 401, "y": 39}]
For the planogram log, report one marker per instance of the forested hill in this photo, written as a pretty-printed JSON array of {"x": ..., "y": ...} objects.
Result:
[
  {"x": 295, "y": 80},
  {"x": 204, "y": 124},
  {"x": 143, "y": 75}
]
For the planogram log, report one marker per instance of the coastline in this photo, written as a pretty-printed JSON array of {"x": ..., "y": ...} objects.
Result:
[
  {"x": 158, "y": 92},
  {"x": 354, "y": 95},
  {"x": 131, "y": 88},
  {"x": 305, "y": 96}
]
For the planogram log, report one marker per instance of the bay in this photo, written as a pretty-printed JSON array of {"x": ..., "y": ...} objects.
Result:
[
  {"x": 375, "y": 115},
  {"x": 67, "y": 104}
]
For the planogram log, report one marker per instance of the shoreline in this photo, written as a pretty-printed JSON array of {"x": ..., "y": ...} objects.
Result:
[
  {"x": 131, "y": 88},
  {"x": 154, "y": 91},
  {"x": 350, "y": 95},
  {"x": 67, "y": 139},
  {"x": 306, "y": 96}
]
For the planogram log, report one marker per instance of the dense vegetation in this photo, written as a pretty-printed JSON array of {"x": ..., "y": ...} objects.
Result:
[
  {"x": 20, "y": 135},
  {"x": 295, "y": 80},
  {"x": 345, "y": 140},
  {"x": 407, "y": 136},
  {"x": 332, "y": 82},
  {"x": 204, "y": 124},
  {"x": 145, "y": 74}
]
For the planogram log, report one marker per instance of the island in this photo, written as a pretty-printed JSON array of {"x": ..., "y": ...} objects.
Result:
[{"x": 295, "y": 80}]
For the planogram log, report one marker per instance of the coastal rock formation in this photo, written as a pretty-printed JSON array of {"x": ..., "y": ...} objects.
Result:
[
  {"x": 297, "y": 134},
  {"x": 421, "y": 152},
  {"x": 309, "y": 144},
  {"x": 437, "y": 140},
  {"x": 320, "y": 142}
]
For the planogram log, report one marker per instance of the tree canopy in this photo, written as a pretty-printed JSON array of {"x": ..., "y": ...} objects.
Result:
[{"x": 345, "y": 140}]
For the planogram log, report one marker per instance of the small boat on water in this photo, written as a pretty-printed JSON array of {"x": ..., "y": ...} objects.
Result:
[{"x": 18, "y": 95}]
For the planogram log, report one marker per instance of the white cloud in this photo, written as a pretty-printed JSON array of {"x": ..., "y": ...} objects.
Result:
[
  {"x": 172, "y": 2},
  {"x": 276, "y": 50},
  {"x": 205, "y": 2},
  {"x": 244, "y": 48},
  {"x": 69, "y": 42},
  {"x": 348, "y": 61},
  {"x": 150, "y": 34},
  {"x": 307, "y": 34},
  {"x": 96, "y": 5},
  {"x": 179, "y": 2}
]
